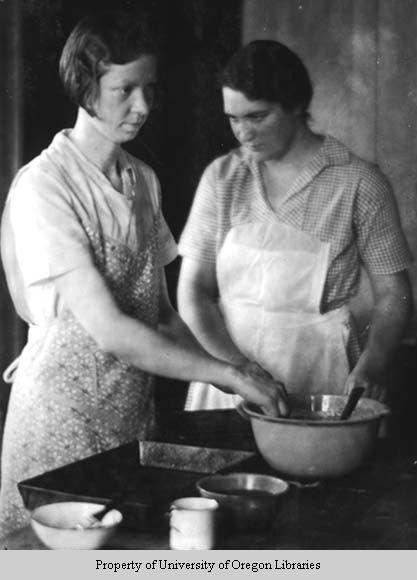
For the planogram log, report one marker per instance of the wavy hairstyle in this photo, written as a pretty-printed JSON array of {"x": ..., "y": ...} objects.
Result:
[
  {"x": 269, "y": 71},
  {"x": 96, "y": 42}
]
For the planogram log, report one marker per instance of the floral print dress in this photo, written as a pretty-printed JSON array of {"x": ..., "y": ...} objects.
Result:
[{"x": 69, "y": 399}]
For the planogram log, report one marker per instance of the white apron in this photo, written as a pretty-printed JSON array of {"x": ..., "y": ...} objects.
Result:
[{"x": 271, "y": 279}]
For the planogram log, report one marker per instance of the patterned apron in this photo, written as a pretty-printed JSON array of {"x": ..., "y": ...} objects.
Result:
[
  {"x": 69, "y": 399},
  {"x": 271, "y": 279}
]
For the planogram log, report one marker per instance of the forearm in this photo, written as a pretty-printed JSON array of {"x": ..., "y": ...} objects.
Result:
[
  {"x": 388, "y": 324},
  {"x": 203, "y": 316},
  {"x": 169, "y": 350},
  {"x": 173, "y": 326}
]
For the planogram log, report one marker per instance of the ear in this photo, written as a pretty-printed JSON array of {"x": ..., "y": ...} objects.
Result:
[
  {"x": 90, "y": 110},
  {"x": 298, "y": 111},
  {"x": 89, "y": 103},
  {"x": 302, "y": 113}
]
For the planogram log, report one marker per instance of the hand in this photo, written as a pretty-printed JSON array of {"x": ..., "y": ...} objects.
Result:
[
  {"x": 257, "y": 386},
  {"x": 250, "y": 367},
  {"x": 373, "y": 389}
]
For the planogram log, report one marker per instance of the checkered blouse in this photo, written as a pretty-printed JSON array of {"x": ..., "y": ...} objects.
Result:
[{"x": 338, "y": 198}]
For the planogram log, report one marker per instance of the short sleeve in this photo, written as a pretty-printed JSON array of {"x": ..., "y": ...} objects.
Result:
[
  {"x": 199, "y": 237},
  {"x": 381, "y": 241},
  {"x": 48, "y": 237},
  {"x": 168, "y": 249}
]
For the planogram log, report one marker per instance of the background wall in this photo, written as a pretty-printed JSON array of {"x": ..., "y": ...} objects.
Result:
[{"x": 362, "y": 57}]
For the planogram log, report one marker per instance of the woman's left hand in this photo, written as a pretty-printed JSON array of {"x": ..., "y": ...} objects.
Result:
[{"x": 374, "y": 389}]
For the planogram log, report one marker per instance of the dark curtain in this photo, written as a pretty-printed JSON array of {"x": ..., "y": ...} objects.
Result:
[
  {"x": 183, "y": 134},
  {"x": 12, "y": 331}
]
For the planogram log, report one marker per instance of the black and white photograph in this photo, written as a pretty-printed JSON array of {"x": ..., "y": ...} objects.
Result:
[{"x": 208, "y": 283}]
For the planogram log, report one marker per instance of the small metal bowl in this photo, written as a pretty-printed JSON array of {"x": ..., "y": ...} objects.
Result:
[{"x": 247, "y": 500}]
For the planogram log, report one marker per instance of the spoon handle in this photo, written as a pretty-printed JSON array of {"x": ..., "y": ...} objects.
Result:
[
  {"x": 101, "y": 513},
  {"x": 354, "y": 396}
]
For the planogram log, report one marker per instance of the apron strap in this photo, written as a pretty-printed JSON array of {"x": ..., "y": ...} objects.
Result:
[{"x": 10, "y": 372}]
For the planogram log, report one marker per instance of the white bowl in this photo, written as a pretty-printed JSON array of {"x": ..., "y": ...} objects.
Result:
[{"x": 66, "y": 525}]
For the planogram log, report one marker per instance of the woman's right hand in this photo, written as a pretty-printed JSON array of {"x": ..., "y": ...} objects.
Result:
[{"x": 257, "y": 386}]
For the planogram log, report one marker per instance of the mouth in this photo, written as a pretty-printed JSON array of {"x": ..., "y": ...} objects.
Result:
[
  {"x": 252, "y": 147},
  {"x": 133, "y": 126}
]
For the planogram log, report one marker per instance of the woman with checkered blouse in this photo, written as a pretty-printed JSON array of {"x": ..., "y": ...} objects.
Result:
[{"x": 276, "y": 237}]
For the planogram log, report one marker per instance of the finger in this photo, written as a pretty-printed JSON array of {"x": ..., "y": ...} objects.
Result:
[
  {"x": 283, "y": 403},
  {"x": 283, "y": 389},
  {"x": 260, "y": 372},
  {"x": 383, "y": 396},
  {"x": 363, "y": 384},
  {"x": 277, "y": 408},
  {"x": 347, "y": 388},
  {"x": 379, "y": 393},
  {"x": 271, "y": 410},
  {"x": 371, "y": 391},
  {"x": 284, "y": 408},
  {"x": 273, "y": 405}
]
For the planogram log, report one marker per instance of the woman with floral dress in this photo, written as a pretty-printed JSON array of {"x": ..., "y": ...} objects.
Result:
[{"x": 84, "y": 244}]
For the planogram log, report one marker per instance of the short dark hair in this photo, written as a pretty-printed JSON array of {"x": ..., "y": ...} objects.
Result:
[
  {"x": 96, "y": 42},
  {"x": 267, "y": 70}
]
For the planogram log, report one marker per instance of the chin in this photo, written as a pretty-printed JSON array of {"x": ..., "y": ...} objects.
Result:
[
  {"x": 125, "y": 137},
  {"x": 257, "y": 155},
  {"x": 268, "y": 155}
]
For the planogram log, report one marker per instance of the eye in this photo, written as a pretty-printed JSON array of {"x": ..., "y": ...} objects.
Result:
[
  {"x": 123, "y": 90},
  {"x": 257, "y": 118}
]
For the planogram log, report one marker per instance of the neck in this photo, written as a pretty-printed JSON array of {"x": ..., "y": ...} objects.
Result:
[
  {"x": 93, "y": 144},
  {"x": 303, "y": 147}
]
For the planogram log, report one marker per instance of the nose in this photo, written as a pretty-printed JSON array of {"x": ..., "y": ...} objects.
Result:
[
  {"x": 141, "y": 101},
  {"x": 245, "y": 132}
]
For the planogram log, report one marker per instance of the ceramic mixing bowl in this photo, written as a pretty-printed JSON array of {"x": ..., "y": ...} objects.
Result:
[{"x": 71, "y": 526}]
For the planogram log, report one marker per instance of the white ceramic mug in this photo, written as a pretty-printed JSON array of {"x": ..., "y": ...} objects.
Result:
[{"x": 193, "y": 523}]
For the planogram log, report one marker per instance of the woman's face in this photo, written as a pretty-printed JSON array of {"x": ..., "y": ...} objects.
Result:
[
  {"x": 264, "y": 129},
  {"x": 125, "y": 98}
]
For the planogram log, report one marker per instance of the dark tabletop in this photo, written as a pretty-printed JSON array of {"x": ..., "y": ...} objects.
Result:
[{"x": 373, "y": 508}]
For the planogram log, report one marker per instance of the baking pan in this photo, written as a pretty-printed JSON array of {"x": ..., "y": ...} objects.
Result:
[
  {"x": 144, "y": 491},
  {"x": 147, "y": 484}
]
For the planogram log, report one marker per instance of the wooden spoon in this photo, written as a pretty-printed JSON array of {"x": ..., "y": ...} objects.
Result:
[{"x": 354, "y": 396}]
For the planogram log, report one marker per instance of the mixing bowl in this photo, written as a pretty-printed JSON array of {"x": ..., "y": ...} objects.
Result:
[
  {"x": 70, "y": 526},
  {"x": 246, "y": 500},
  {"x": 313, "y": 443}
]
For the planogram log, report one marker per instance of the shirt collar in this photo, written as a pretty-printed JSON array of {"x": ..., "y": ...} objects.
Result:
[
  {"x": 332, "y": 152},
  {"x": 127, "y": 171}
]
